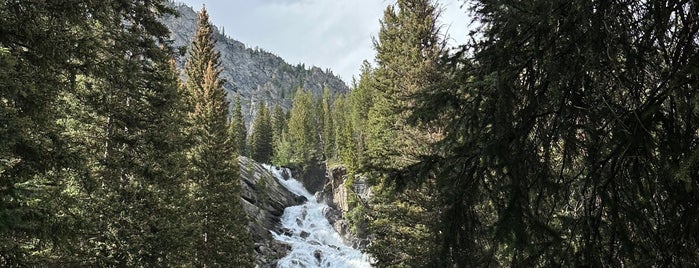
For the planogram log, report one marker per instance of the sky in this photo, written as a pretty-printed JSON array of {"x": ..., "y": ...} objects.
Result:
[{"x": 329, "y": 34}]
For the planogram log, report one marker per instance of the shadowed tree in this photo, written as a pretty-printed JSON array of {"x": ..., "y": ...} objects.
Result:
[{"x": 222, "y": 238}]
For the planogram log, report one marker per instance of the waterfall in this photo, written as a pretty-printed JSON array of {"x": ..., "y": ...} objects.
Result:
[{"x": 314, "y": 242}]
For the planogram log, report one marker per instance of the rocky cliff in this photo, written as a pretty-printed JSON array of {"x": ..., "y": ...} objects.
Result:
[
  {"x": 344, "y": 195},
  {"x": 264, "y": 200},
  {"x": 258, "y": 76}
]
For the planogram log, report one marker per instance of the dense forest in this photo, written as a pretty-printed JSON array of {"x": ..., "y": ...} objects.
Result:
[
  {"x": 564, "y": 133},
  {"x": 107, "y": 158}
]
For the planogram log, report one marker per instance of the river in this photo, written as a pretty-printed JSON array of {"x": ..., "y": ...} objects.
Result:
[{"x": 314, "y": 242}]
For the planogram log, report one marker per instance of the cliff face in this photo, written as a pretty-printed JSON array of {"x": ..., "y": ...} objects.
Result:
[
  {"x": 343, "y": 194},
  {"x": 258, "y": 76},
  {"x": 264, "y": 200}
]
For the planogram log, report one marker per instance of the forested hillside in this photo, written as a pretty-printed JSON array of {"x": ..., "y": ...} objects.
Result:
[
  {"x": 107, "y": 159},
  {"x": 565, "y": 133},
  {"x": 256, "y": 75}
]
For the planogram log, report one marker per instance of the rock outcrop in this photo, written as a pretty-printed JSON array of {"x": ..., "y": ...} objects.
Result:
[
  {"x": 257, "y": 75},
  {"x": 337, "y": 193},
  {"x": 264, "y": 200},
  {"x": 313, "y": 176}
]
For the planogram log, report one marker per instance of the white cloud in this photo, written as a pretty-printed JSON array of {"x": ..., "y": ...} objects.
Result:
[{"x": 334, "y": 34}]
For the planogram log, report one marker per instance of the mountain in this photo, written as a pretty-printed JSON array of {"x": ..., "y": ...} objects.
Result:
[{"x": 258, "y": 75}]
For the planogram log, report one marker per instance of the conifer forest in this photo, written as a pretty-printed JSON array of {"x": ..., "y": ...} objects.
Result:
[{"x": 562, "y": 133}]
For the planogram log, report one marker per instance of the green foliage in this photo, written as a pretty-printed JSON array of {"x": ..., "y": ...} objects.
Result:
[
  {"x": 261, "y": 147},
  {"x": 344, "y": 140},
  {"x": 568, "y": 133},
  {"x": 236, "y": 128},
  {"x": 222, "y": 238},
  {"x": 281, "y": 145},
  {"x": 409, "y": 50},
  {"x": 401, "y": 214},
  {"x": 282, "y": 151},
  {"x": 328, "y": 131},
  {"x": 303, "y": 135},
  {"x": 278, "y": 122},
  {"x": 95, "y": 169}
]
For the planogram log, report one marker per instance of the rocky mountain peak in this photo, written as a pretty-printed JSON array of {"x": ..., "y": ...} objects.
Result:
[{"x": 257, "y": 75}]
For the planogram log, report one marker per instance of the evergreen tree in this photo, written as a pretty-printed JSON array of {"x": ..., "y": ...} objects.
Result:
[
  {"x": 237, "y": 130},
  {"x": 222, "y": 238},
  {"x": 361, "y": 100},
  {"x": 570, "y": 135},
  {"x": 281, "y": 147},
  {"x": 121, "y": 114},
  {"x": 39, "y": 61},
  {"x": 408, "y": 51},
  {"x": 344, "y": 140},
  {"x": 302, "y": 129},
  {"x": 261, "y": 138},
  {"x": 278, "y": 122},
  {"x": 282, "y": 150},
  {"x": 328, "y": 133}
]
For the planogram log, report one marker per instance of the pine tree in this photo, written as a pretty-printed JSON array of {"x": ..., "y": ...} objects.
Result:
[
  {"x": 167, "y": 242},
  {"x": 261, "y": 138},
  {"x": 362, "y": 99},
  {"x": 222, "y": 237},
  {"x": 564, "y": 126},
  {"x": 37, "y": 162},
  {"x": 278, "y": 122},
  {"x": 281, "y": 146},
  {"x": 328, "y": 134},
  {"x": 237, "y": 130},
  {"x": 122, "y": 110},
  {"x": 408, "y": 51},
  {"x": 344, "y": 137},
  {"x": 302, "y": 129}
]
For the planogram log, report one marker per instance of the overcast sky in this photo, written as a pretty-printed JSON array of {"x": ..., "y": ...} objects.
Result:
[{"x": 334, "y": 34}]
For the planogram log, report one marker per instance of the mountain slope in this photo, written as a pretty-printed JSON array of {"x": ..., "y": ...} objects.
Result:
[{"x": 254, "y": 73}]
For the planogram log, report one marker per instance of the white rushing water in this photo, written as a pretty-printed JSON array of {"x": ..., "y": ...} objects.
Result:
[{"x": 314, "y": 242}]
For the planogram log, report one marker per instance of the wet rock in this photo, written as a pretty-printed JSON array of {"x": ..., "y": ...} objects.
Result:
[
  {"x": 332, "y": 214},
  {"x": 304, "y": 234},
  {"x": 318, "y": 255},
  {"x": 313, "y": 176},
  {"x": 286, "y": 232},
  {"x": 300, "y": 199},
  {"x": 341, "y": 227},
  {"x": 264, "y": 200},
  {"x": 336, "y": 194}
]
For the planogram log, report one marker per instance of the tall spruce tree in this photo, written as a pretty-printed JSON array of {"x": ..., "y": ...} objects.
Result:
[
  {"x": 261, "y": 148},
  {"x": 344, "y": 135},
  {"x": 402, "y": 216},
  {"x": 361, "y": 100},
  {"x": 237, "y": 130},
  {"x": 328, "y": 131},
  {"x": 109, "y": 88},
  {"x": 570, "y": 136},
  {"x": 281, "y": 147},
  {"x": 303, "y": 133},
  {"x": 222, "y": 238},
  {"x": 33, "y": 156},
  {"x": 278, "y": 121}
]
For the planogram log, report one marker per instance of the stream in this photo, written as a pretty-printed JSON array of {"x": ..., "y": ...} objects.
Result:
[{"x": 314, "y": 242}]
